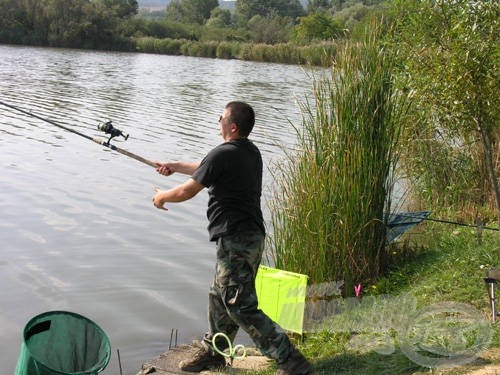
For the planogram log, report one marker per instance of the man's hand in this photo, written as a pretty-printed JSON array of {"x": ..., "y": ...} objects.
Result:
[
  {"x": 157, "y": 198},
  {"x": 179, "y": 193},
  {"x": 168, "y": 168},
  {"x": 165, "y": 169}
]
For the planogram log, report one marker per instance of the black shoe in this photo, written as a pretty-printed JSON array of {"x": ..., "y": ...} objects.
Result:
[
  {"x": 203, "y": 360},
  {"x": 296, "y": 364}
]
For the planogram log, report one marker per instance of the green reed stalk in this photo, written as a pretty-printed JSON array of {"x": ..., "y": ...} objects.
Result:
[{"x": 330, "y": 209}]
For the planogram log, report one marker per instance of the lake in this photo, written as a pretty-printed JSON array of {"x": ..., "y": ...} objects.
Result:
[{"x": 78, "y": 230}]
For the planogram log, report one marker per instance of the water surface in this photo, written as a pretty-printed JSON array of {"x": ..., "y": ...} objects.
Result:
[{"x": 78, "y": 230}]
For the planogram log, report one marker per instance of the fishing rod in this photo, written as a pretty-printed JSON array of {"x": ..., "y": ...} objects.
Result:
[{"x": 106, "y": 127}]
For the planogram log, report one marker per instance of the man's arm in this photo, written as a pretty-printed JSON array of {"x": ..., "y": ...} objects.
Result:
[
  {"x": 171, "y": 167},
  {"x": 180, "y": 193}
]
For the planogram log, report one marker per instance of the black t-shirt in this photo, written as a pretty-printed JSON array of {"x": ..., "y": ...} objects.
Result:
[{"x": 232, "y": 172}]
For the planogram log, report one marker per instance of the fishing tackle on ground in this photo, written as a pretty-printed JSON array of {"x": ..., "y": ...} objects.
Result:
[{"x": 106, "y": 127}]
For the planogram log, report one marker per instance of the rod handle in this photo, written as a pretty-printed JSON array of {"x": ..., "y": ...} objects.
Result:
[{"x": 125, "y": 152}]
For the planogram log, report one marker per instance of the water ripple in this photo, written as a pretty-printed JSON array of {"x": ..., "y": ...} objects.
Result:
[{"x": 78, "y": 227}]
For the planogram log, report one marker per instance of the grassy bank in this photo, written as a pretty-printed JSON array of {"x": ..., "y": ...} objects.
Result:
[
  {"x": 316, "y": 54},
  {"x": 439, "y": 263}
]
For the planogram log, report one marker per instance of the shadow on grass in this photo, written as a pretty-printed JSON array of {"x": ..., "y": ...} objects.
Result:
[{"x": 370, "y": 363}]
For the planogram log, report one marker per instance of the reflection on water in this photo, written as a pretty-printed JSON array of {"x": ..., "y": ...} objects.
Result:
[{"x": 78, "y": 229}]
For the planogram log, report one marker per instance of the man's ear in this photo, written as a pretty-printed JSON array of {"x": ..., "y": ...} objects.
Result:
[{"x": 234, "y": 128}]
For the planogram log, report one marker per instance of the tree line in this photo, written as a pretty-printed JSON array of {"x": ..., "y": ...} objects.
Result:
[
  {"x": 65, "y": 23},
  {"x": 116, "y": 24}
]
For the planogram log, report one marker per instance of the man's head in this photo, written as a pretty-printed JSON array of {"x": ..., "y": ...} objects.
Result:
[{"x": 240, "y": 114}]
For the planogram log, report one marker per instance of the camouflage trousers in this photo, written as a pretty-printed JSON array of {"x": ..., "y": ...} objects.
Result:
[{"x": 233, "y": 299}]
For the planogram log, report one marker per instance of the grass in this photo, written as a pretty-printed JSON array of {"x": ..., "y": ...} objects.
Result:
[{"x": 446, "y": 264}]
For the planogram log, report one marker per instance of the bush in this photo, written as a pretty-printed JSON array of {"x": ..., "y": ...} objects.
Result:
[
  {"x": 168, "y": 46},
  {"x": 224, "y": 50}
]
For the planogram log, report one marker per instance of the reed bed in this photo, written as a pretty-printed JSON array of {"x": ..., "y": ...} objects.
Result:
[
  {"x": 329, "y": 211},
  {"x": 318, "y": 54}
]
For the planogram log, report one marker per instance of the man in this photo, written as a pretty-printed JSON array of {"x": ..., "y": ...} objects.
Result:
[{"x": 232, "y": 172}]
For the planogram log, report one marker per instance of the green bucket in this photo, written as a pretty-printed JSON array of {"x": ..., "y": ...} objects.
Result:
[{"x": 61, "y": 342}]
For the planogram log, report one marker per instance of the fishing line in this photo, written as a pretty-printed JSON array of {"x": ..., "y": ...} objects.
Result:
[
  {"x": 447, "y": 222},
  {"x": 106, "y": 127}
]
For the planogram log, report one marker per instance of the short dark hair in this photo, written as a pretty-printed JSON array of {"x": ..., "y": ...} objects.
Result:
[{"x": 243, "y": 115}]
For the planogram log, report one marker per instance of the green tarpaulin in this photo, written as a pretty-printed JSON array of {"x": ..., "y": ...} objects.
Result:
[{"x": 61, "y": 342}]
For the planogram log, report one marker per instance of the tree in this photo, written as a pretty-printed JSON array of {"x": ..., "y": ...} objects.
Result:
[
  {"x": 271, "y": 29},
  {"x": 68, "y": 23},
  {"x": 123, "y": 8},
  {"x": 13, "y": 21},
  {"x": 219, "y": 18},
  {"x": 175, "y": 11},
  {"x": 316, "y": 26},
  {"x": 190, "y": 11},
  {"x": 314, "y": 6},
  {"x": 450, "y": 60},
  {"x": 128, "y": 8},
  {"x": 246, "y": 9},
  {"x": 33, "y": 21}
]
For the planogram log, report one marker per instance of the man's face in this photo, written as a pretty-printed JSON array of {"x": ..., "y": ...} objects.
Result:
[{"x": 227, "y": 128}]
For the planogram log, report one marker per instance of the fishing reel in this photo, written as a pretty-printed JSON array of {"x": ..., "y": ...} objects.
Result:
[{"x": 108, "y": 128}]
